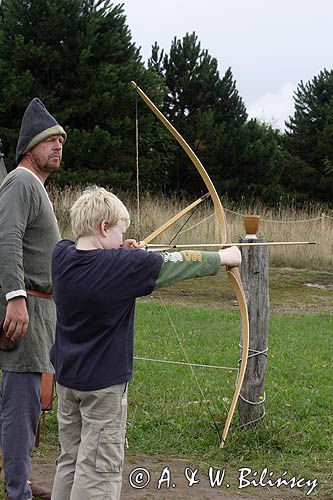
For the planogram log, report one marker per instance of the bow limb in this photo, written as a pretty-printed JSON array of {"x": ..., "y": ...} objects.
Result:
[
  {"x": 174, "y": 219},
  {"x": 195, "y": 160},
  {"x": 236, "y": 282},
  {"x": 233, "y": 273}
]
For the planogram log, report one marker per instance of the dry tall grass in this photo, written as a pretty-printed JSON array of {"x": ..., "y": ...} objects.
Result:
[{"x": 280, "y": 224}]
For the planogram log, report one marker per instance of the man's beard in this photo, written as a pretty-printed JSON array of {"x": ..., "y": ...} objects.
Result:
[{"x": 50, "y": 165}]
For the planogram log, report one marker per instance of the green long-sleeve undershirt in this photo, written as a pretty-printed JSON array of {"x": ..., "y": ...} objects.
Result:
[{"x": 179, "y": 266}]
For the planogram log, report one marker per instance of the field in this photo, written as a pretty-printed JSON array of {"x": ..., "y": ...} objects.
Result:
[
  {"x": 170, "y": 425},
  {"x": 312, "y": 222}
]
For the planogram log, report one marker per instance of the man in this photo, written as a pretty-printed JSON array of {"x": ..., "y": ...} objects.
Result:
[{"x": 29, "y": 232}]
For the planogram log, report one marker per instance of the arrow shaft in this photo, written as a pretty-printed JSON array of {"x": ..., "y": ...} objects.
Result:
[{"x": 225, "y": 245}]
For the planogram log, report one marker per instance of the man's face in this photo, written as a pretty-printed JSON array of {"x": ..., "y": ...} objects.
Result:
[{"x": 47, "y": 154}]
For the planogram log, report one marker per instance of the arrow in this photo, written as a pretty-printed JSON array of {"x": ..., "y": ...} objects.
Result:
[{"x": 159, "y": 246}]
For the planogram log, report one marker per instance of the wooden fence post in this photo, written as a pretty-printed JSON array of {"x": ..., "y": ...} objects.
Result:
[{"x": 254, "y": 271}]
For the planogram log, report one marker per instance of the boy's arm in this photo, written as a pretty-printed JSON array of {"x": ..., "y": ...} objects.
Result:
[{"x": 178, "y": 266}]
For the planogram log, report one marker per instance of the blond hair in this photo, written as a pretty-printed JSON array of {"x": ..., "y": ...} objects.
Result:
[{"x": 93, "y": 206}]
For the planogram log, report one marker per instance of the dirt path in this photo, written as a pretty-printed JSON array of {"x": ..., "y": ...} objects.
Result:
[{"x": 173, "y": 483}]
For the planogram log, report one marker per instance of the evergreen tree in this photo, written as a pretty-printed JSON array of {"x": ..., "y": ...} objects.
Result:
[
  {"x": 78, "y": 57},
  {"x": 309, "y": 139},
  {"x": 262, "y": 164},
  {"x": 206, "y": 109}
]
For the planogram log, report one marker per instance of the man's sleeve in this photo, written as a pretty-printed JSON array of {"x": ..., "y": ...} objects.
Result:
[
  {"x": 15, "y": 205},
  {"x": 179, "y": 266},
  {"x": 3, "y": 171}
]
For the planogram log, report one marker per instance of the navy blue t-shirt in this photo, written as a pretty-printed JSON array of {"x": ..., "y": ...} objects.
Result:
[{"x": 95, "y": 292}]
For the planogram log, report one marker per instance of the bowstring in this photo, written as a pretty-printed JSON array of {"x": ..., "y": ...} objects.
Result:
[
  {"x": 191, "y": 367},
  {"x": 161, "y": 299},
  {"x": 137, "y": 166},
  {"x": 184, "y": 224}
]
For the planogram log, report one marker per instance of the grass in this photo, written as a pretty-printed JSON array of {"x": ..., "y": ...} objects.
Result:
[
  {"x": 172, "y": 419},
  {"x": 168, "y": 415},
  {"x": 313, "y": 222}
]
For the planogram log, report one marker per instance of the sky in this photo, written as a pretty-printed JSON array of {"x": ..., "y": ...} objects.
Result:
[{"x": 270, "y": 45}]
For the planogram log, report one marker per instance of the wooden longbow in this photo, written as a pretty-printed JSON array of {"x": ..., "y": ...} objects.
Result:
[{"x": 233, "y": 273}]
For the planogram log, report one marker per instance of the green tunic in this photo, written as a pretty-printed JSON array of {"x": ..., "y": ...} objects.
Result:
[{"x": 29, "y": 232}]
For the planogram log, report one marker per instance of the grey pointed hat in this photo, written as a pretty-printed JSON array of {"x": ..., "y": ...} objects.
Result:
[{"x": 37, "y": 125}]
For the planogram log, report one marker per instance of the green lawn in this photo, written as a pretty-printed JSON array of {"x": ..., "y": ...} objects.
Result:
[
  {"x": 168, "y": 415},
  {"x": 167, "y": 411}
]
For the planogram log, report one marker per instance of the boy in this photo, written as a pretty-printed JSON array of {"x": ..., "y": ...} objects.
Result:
[{"x": 96, "y": 282}]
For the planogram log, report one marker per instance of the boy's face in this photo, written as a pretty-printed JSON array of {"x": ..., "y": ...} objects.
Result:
[{"x": 114, "y": 236}]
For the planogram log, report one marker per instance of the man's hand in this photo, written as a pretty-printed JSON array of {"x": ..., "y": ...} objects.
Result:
[
  {"x": 131, "y": 243},
  {"x": 230, "y": 257},
  {"x": 17, "y": 318}
]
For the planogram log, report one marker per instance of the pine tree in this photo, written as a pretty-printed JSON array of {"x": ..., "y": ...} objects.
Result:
[
  {"x": 206, "y": 109},
  {"x": 78, "y": 57},
  {"x": 309, "y": 139}
]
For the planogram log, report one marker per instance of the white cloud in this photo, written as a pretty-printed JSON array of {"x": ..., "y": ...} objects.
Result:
[{"x": 274, "y": 107}]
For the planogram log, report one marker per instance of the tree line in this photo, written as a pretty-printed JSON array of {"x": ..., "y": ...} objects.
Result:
[{"x": 78, "y": 56}]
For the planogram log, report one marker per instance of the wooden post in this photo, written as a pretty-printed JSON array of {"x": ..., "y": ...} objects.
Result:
[{"x": 254, "y": 271}]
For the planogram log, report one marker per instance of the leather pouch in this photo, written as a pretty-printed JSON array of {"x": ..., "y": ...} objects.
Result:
[{"x": 5, "y": 343}]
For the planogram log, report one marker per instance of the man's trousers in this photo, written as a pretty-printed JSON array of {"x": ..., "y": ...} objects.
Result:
[{"x": 19, "y": 417}]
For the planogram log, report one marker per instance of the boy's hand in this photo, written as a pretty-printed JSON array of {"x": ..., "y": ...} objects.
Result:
[
  {"x": 230, "y": 257},
  {"x": 131, "y": 243}
]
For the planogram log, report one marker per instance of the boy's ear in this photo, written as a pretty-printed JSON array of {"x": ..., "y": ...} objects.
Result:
[{"x": 103, "y": 227}]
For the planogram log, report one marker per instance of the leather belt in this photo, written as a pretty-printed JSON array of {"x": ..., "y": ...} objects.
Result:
[{"x": 37, "y": 293}]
